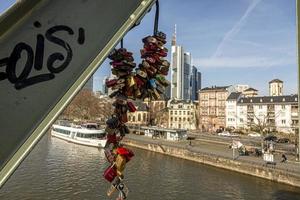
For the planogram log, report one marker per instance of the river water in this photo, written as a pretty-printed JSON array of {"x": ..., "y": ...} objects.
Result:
[{"x": 56, "y": 169}]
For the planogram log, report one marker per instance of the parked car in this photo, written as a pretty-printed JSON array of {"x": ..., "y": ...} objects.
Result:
[
  {"x": 283, "y": 140},
  {"x": 224, "y": 133},
  {"x": 270, "y": 138},
  {"x": 219, "y": 130},
  {"x": 253, "y": 134}
]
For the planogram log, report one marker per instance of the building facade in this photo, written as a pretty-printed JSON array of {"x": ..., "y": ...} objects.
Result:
[
  {"x": 250, "y": 92},
  {"x": 212, "y": 105},
  {"x": 231, "y": 109},
  {"x": 139, "y": 117},
  {"x": 263, "y": 113},
  {"x": 182, "y": 114}
]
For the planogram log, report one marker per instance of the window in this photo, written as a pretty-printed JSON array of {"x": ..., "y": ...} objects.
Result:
[
  {"x": 241, "y": 120},
  {"x": 184, "y": 112},
  {"x": 283, "y": 107},
  {"x": 179, "y": 112},
  {"x": 180, "y": 119},
  {"x": 188, "y": 112},
  {"x": 175, "y": 112},
  {"x": 144, "y": 117},
  {"x": 188, "y": 119},
  {"x": 283, "y": 121},
  {"x": 184, "y": 119},
  {"x": 175, "y": 119},
  {"x": 171, "y": 118},
  {"x": 171, "y": 112},
  {"x": 139, "y": 117}
]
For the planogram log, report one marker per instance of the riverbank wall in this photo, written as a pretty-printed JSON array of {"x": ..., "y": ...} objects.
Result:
[{"x": 272, "y": 173}]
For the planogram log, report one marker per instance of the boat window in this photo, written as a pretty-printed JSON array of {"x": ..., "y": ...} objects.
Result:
[{"x": 66, "y": 132}]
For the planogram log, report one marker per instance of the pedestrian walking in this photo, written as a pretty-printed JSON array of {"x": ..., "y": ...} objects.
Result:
[{"x": 284, "y": 158}]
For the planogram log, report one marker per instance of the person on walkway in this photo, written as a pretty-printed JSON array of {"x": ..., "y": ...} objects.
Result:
[{"x": 284, "y": 158}]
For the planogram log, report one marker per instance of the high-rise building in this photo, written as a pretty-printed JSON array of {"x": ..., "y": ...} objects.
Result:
[
  {"x": 195, "y": 83},
  {"x": 198, "y": 83},
  {"x": 89, "y": 85},
  {"x": 104, "y": 87},
  {"x": 180, "y": 74},
  {"x": 186, "y": 76}
]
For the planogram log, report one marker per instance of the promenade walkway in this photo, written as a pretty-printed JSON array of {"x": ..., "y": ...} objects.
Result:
[{"x": 219, "y": 150}]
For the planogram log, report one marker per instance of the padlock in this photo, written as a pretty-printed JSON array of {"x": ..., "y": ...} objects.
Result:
[
  {"x": 123, "y": 67},
  {"x": 152, "y": 83},
  {"x": 120, "y": 101},
  {"x": 141, "y": 73},
  {"x": 112, "y": 123},
  {"x": 150, "y": 60},
  {"x": 131, "y": 106},
  {"x": 114, "y": 93},
  {"x": 122, "y": 63},
  {"x": 145, "y": 64},
  {"x": 137, "y": 93},
  {"x": 120, "y": 164},
  {"x": 110, "y": 83},
  {"x": 123, "y": 130},
  {"x": 130, "y": 81},
  {"x": 162, "y": 80},
  {"x": 160, "y": 89},
  {"x": 123, "y": 118},
  {"x": 110, "y": 173},
  {"x": 120, "y": 73},
  {"x": 161, "y": 35},
  {"x": 110, "y": 131},
  {"x": 149, "y": 39},
  {"x": 162, "y": 53},
  {"x": 139, "y": 81},
  {"x": 118, "y": 86}
]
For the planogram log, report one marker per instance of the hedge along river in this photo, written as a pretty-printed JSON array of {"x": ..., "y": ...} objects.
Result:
[{"x": 56, "y": 169}]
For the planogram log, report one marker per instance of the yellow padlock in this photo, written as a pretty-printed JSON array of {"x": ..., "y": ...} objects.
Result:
[
  {"x": 120, "y": 164},
  {"x": 130, "y": 81}
]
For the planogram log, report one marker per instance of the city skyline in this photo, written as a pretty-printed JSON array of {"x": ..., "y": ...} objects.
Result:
[{"x": 232, "y": 42}]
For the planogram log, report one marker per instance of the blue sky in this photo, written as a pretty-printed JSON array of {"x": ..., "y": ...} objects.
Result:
[{"x": 231, "y": 41}]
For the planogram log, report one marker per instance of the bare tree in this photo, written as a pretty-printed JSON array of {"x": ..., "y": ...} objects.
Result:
[{"x": 85, "y": 106}]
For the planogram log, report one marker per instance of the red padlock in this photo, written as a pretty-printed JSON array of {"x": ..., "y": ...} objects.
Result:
[
  {"x": 131, "y": 106},
  {"x": 110, "y": 173},
  {"x": 110, "y": 83}
]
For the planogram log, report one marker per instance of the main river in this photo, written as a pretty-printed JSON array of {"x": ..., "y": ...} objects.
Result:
[{"x": 56, "y": 169}]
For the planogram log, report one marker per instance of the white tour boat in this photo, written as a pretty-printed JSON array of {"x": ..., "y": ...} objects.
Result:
[{"x": 83, "y": 135}]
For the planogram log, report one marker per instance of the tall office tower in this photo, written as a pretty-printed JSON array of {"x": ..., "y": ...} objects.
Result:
[
  {"x": 89, "y": 85},
  {"x": 181, "y": 70},
  {"x": 195, "y": 83},
  {"x": 104, "y": 87},
  {"x": 168, "y": 92},
  {"x": 198, "y": 83},
  {"x": 177, "y": 69},
  {"x": 186, "y": 76}
]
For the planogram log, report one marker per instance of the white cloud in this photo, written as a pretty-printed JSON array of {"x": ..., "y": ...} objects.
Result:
[{"x": 242, "y": 62}]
